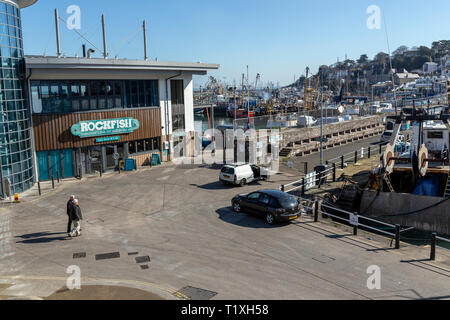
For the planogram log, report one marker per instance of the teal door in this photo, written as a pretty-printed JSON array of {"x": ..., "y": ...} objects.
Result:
[
  {"x": 43, "y": 165},
  {"x": 67, "y": 163},
  {"x": 55, "y": 163}
]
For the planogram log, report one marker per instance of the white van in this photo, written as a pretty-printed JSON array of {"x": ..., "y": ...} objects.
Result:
[{"x": 242, "y": 174}]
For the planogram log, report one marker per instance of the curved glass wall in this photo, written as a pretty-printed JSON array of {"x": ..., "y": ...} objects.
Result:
[{"x": 15, "y": 125}]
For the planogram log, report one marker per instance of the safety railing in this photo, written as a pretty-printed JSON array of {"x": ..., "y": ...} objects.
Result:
[
  {"x": 310, "y": 181},
  {"x": 359, "y": 154}
]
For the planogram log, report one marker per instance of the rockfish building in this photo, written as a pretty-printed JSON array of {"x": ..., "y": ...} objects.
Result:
[
  {"x": 90, "y": 113},
  {"x": 66, "y": 117}
]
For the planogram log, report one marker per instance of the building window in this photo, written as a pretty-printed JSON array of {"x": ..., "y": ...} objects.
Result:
[
  {"x": 75, "y": 96},
  {"x": 177, "y": 91},
  {"x": 178, "y": 122},
  {"x": 143, "y": 146},
  {"x": 435, "y": 135}
]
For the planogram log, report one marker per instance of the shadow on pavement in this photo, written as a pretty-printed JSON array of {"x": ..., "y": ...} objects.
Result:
[
  {"x": 212, "y": 186},
  {"x": 245, "y": 220},
  {"x": 40, "y": 234},
  {"x": 221, "y": 186},
  {"x": 42, "y": 237}
]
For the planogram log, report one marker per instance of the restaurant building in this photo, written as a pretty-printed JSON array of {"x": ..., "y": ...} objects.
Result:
[
  {"x": 66, "y": 117},
  {"x": 90, "y": 114}
]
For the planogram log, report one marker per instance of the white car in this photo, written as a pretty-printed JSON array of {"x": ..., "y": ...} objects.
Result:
[{"x": 242, "y": 174}]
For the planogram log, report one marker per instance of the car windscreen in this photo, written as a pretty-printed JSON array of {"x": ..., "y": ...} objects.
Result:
[
  {"x": 228, "y": 170},
  {"x": 288, "y": 202}
]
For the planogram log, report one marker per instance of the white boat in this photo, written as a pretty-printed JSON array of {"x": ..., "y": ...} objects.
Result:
[{"x": 306, "y": 121}]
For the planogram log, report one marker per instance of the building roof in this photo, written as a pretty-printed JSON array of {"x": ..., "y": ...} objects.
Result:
[
  {"x": 407, "y": 75},
  {"x": 43, "y": 62}
]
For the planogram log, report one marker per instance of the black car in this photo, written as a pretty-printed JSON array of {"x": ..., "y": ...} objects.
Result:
[{"x": 273, "y": 205}]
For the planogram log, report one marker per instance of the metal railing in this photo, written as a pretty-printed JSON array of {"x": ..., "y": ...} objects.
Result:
[
  {"x": 358, "y": 154},
  {"x": 311, "y": 180}
]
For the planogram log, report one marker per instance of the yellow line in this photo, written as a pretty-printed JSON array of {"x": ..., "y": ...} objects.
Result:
[{"x": 115, "y": 281}]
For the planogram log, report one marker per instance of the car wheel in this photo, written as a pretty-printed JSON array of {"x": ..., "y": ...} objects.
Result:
[
  {"x": 270, "y": 219},
  {"x": 243, "y": 183},
  {"x": 237, "y": 207}
]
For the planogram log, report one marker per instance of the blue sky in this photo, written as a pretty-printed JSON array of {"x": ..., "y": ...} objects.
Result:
[{"x": 277, "y": 39}]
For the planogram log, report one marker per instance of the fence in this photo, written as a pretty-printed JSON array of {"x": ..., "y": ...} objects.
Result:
[
  {"x": 353, "y": 157},
  {"x": 306, "y": 183},
  {"x": 354, "y": 220}
]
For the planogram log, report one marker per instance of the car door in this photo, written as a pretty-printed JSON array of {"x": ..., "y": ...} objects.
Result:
[
  {"x": 252, "y": 202},
  {"x": 263, "y": 205}
]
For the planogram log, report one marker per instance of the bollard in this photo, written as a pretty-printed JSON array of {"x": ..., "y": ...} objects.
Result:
[
  {"x": 306, "y": 167},
  {"x": 356, "y": 156},
  {"x": 397, "y": 237},
  {"x": 369, "y": 155},
  {"x": 53, "y": 182},
  {"x": 355, "y": 230},
  {"x": 381, "y": 149},
  {"x": 342, "y": 162},
  {"x": 334, "y": 172},
  {"x": 101, "y": 170},
  {"x": 433, "y": 247},
  {"x": 316, "y": 211},
  {"x": 282, "y": 188},
  {"x": 39, "y": 188},
  {"x": 303, "y": 186}
]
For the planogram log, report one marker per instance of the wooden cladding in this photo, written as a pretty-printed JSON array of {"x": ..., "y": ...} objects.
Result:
[{"x": 52, "y": 132}]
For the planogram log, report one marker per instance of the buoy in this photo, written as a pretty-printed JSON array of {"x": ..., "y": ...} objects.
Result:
[{"x": 16, "y": 198}]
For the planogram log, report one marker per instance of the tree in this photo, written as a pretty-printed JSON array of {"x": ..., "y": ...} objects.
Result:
[
  {"x": 363, "y": 59},
  {"x": 425, "y": 52},
  {"x": 400, "y": 51},
  {"x": 441, "y": 48},
  {"x": 381, "y": 58}
]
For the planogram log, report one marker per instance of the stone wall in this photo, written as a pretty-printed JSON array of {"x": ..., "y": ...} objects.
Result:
[{"x": 300, "y": 141}]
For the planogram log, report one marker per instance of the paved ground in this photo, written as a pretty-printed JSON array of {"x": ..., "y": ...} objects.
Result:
[{"x": 181, "y": 219}]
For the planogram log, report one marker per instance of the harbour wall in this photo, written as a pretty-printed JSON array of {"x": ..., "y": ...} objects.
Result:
[
  {"x": 304, "y": 141},
  {"x": 434, "y": 219}
]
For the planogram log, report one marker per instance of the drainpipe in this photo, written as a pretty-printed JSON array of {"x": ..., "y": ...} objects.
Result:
[{"x": 167, "y": 109}]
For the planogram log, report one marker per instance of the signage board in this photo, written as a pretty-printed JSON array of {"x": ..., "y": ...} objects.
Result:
[
  {"x": 354, "y": 220},
  {"x": 310, "y": 180},
  {"x": 156, "y": 159},
  {"x": 98, "y": 128},
  {"x": 107, "y": 139}
]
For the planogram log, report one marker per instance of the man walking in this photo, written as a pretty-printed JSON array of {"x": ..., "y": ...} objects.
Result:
[
  {"x": 76, "y": 219},
  {"x": 70, "y": 206}
]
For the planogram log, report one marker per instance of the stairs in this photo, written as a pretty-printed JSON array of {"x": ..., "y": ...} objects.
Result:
[
  {"x": 285, "y": 152},
  {"x": 447, "y": 188}
]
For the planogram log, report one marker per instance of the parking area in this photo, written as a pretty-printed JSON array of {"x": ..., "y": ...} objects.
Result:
[{"x": 171, "y": 231}]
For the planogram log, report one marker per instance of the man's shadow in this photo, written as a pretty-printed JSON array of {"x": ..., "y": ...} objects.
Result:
[{"x": 42, "y": 237}]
